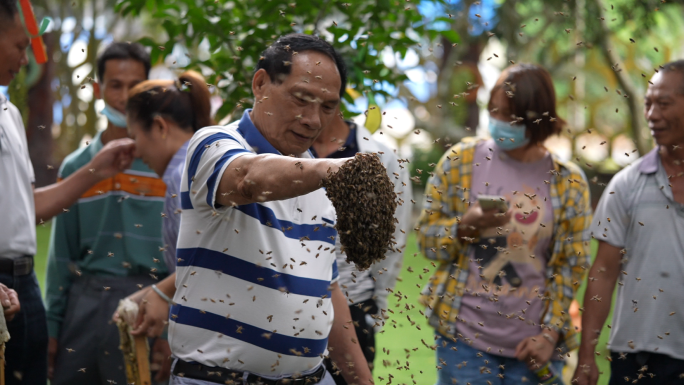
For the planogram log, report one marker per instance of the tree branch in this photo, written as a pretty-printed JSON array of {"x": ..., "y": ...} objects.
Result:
[
  {"x": 633, "y": 99},
  {"x": 324, "y": 7}
]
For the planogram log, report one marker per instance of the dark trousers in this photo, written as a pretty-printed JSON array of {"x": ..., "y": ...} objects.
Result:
[
  {"x": 26, "y": 351},
  {"x": 88, "y": 330},
  {"x": 660, "y": 369},
  {"x": 365, "y": 334}
]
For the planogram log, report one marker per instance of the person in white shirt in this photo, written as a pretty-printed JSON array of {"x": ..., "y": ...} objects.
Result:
[
  {"x": 23, "y": 207},
  {"x": 639, "y": 223},
  {"x": 366, "y": 290}
]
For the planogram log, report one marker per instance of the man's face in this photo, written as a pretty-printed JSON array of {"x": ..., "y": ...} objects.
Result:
[
  {"x": 664, "y": 108},
  {"x": 13, "y": 45},
  {"x": 292, "y": 113},
  {"x": 119, "y": 77}
]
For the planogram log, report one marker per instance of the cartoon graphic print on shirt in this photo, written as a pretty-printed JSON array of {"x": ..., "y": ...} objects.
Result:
[
  {"x": 500, "y": 248},
  {"x": 502, "y": 299}
]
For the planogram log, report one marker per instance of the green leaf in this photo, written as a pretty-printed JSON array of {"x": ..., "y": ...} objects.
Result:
[
  {"x": 252, "y": 25},
  {"x": 451, "y": 35}
]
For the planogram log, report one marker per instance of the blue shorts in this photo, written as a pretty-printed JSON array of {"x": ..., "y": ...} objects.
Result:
[{"x": 463, "y": 366}]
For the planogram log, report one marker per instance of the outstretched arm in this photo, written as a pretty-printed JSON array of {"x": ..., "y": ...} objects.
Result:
[
  {"x": 259, "y": 178},
  {"x": 113, "y": 158}
]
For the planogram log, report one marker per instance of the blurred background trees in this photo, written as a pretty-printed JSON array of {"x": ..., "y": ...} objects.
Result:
[{"x": 428, "y": 64}]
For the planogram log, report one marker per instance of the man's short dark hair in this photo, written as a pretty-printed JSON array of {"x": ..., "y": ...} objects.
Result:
[
  {"x": 675, "y": 66},
  {"x": 122, "y": 50},
  {"x": 273, "y": 59},
  {"x": 8, "y": 8}
]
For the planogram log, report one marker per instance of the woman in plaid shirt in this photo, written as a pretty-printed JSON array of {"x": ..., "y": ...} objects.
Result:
[{"x": 500, "y": 298}]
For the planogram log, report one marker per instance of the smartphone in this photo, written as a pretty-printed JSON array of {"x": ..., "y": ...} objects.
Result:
[{"x": 493, "y": 202}]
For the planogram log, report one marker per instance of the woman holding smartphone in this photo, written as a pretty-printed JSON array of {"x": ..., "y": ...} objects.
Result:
[{"x": 508, "y": 224}]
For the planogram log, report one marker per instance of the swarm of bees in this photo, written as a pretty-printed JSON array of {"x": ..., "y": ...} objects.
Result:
[{"x": 365, "y": 201}]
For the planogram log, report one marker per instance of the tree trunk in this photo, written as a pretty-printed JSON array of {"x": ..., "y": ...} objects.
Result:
[
  {"x": 39, "y": 125},
  {"x": 639, "y": 129},
  {"x": 468, "y": 53},
  {"x": 472, "y": 57}
]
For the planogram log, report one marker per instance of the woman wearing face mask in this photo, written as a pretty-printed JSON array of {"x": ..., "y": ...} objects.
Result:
[
  {"x": 162, "y": 116},
  {"x": 507, "y": 275}
]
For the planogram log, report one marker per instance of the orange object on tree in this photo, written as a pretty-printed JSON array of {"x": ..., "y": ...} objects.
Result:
[{"x": 34, "y": 31}]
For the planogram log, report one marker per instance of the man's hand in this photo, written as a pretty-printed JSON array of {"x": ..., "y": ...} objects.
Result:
[
  {"x": 535, "y": 351},
  {"x": 10, "y": 302},
  {"x": 52, "y": 354},
  {"x": 153, "y": 315},
  {"x": 333, "y": 165},
  {"x": 587, "y": 372},
  {"x": 115, "y": 157},
  {"x": 160, "y": 360},
  {"x": 56, "y": 198},
  {"x": 481, "y": 219}
]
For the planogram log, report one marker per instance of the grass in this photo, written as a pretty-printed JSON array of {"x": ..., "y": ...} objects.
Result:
[
  {"x": 401, "y": 355},
  {"x": 400, "y": 352},
  {"x": 40, "y": 260}
]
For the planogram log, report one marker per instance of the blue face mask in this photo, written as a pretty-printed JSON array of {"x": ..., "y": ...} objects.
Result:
[
  {"x": 115, "y": 117},
  {"x": 500, "y": 129}
]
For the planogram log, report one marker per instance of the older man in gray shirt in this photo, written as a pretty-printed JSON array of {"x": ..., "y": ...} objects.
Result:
[{"x": 639, "y": 223}]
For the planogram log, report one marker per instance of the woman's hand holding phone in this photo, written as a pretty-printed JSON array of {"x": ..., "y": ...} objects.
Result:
[{"x": 478, "y": 218}]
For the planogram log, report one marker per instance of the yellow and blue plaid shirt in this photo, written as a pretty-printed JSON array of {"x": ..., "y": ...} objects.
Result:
[{"x": 447, "y": 199}]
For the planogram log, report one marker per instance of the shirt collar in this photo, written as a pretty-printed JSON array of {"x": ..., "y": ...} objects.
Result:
[
  {"x": 649, "y": 162},
  {"x": 349, "y": 145},
  {"x": 253, "y": 137},
  {"x": 178, "y": 158},
  {"x": 351, "y": 138},
  {"x": 96, "y": 143},
  {"x": 365, "y": 145}
]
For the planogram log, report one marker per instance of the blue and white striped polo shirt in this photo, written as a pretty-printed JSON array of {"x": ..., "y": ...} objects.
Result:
[{"x": 252, "y": 281}]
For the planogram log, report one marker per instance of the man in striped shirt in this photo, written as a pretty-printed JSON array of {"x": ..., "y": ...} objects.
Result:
[{"x": 256, "y": 291}]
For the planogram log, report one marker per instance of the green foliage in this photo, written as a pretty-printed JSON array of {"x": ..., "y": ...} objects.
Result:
[
  {"x": 236, "y": 32},
  {"x": 548, "y": 23},
  {"x": 459, "y": 77},
  {"x": 600, "y": 54},
  {"x": 422, "y": 158},
  {"x": 18, "y": 94}
]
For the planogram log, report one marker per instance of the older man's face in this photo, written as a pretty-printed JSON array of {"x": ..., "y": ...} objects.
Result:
[
  {"x": 292, "y": 113},
  {"x": 664, "y": 108}
]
